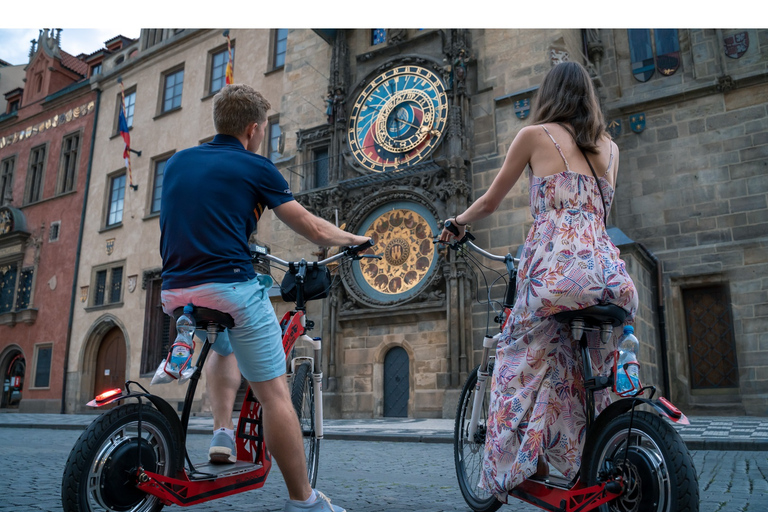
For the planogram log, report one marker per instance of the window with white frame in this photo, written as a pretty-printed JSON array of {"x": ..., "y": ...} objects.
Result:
[
  {"x": 173, "y": 83},
  {"x": 116, "y": 200}
]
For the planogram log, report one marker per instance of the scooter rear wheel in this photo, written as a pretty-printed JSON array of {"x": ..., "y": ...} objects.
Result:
[
  {"x": 658, "y": 469},
  {"x": 100, "y": 474}
]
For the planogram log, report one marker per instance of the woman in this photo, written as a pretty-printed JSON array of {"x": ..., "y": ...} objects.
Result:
[{"x": 568, "y": 262}]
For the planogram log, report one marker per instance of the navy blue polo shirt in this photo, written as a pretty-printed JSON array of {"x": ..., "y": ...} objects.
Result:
[{"x": 213, "y": 196}]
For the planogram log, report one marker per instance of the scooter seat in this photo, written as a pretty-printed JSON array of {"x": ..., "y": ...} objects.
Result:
[
  {"x": 595, "y": 316},
  {"x": 204, "y": 316}
]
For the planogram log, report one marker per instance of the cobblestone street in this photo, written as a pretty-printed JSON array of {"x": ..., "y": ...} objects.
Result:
[{"x": 363, "y": 476}]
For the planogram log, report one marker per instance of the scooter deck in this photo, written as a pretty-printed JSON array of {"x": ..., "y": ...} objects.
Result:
[{"x": 209, "y": 471}]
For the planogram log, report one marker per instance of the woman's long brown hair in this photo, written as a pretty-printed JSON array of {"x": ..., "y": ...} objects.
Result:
[{"x": 567, "y": 96}]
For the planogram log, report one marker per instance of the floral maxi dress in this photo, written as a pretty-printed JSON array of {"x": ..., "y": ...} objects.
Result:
[{"x": 537, "y": 398}]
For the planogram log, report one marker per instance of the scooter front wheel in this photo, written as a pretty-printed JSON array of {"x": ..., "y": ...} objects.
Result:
[
  {"x": 651, "y": 458},
  {"x": 100, "y": 474}
]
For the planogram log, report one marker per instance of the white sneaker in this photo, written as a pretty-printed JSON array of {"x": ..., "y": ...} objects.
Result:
[{"x": 321, "y": 504}]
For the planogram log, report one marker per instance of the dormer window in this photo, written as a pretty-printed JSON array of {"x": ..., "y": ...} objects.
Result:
[{"x": 96, "y": 69}]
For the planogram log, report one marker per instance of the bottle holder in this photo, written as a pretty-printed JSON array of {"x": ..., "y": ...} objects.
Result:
[
  {"x": 635, "y": 383},
  {"x": 170, "y": 368}
]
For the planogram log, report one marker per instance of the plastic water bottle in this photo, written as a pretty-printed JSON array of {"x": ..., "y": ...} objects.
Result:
[
  {"x": 182, "y": 346},
  {"x": 627, "y": 369}
]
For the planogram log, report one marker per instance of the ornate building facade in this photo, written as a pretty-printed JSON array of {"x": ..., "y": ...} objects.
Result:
[
  {"x": 46, "y": 137},
  {"x": 386, "y": 133}
]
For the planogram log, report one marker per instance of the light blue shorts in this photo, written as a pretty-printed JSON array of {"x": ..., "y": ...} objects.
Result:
[{"x": 256, "y": 338}]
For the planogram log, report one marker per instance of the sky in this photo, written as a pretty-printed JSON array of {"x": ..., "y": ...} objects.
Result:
[
  {"x": 15, "y": 42},
  {"x": 80, "y": 34}
]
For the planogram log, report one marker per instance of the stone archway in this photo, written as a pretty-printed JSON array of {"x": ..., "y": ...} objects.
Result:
[
  {"x": 12, "y": 373},
  {"x": 89, "y": 355}
]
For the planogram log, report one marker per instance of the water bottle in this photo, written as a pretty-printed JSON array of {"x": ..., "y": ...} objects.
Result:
[
  {"x": 627, "y": 367},
  {"x": 181, "y": 349}
]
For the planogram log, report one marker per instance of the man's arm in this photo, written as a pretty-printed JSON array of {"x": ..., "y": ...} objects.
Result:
[{"x": 313, "y": 228}]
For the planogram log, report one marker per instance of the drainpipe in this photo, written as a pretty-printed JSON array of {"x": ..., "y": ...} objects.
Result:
[
  {"x": 77, "y": 255},
  {"x": 662, "y": 321}
]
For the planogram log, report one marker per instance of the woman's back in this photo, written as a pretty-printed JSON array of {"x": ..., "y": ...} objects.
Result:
[{"x": 555, "y": 148}]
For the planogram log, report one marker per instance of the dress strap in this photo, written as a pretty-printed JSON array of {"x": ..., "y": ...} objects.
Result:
[
  {"x": 559, "y": 150},
  {"x": 610, "y": 162}
]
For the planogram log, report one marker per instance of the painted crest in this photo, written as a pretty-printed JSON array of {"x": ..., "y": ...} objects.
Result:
[
  {"x": 737, "y": 44},
  {"x": 641, "y": 54},
  {"x": 110, "y": 246},
  {"x": 637, "y": 122},
  {"x": 667, "y": 50},
  {"x": 614, "y": 128},
  {"x": 522, "y": 108},
  {"x": 83, "y": 293}
]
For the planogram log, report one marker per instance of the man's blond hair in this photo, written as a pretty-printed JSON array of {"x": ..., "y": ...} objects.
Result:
[{"x": 236, "y": 106}]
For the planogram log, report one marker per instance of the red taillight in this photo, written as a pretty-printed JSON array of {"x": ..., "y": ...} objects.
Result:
[
  {"x": 105, "y": 397},
  {"x": 674, "y": 411}
]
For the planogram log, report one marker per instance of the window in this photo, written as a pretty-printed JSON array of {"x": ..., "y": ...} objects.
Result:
[
  {"x": 107, "y": 285},
  {"x": 158, "y": 328},
  {"x": 280, "y": 47},
  {"x": 96, "y": 69},
  {"x": 172, "y": 90},
  {"x": 6, "y": 180},
  {"x": 157, "y": 188},
  {"x": 321, "y": 167},
  {"x": 35, "y": 175},
  {"x": 54, "y": 231},
  {"x": 378, "y": 36},
  {"x": 273, "y": 148},
  {"x": 219, "y": 60},
  {"x": 43, "y": 365},
  {"x": 116, "y": 199},
  {"x": 130, "y": 103},
  {"x": 645, "y": 61},
  {"x": 14, "y": 106},
  {"x": 13, "y": 297},
  {"x": 69, "y": 150}
]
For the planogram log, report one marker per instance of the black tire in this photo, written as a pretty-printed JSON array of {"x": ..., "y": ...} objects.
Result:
[
  {"x": 303, "y": 397},
  {"x": 658, "y": 472},
  {"x": 98, "y": 474},
  {"x": 468, "y": 453}
]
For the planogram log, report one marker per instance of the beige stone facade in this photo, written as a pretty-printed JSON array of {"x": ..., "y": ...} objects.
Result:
[{"x": 689, "y": 214}]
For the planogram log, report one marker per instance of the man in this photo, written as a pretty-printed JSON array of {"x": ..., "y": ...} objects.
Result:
[{"x": 213, "y": 196}]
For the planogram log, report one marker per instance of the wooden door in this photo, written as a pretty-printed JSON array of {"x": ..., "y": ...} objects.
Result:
[{"x": 110, "y": 362}]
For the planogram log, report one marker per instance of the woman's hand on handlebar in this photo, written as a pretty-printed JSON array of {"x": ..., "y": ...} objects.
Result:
[{"x": 452, "y": 230}]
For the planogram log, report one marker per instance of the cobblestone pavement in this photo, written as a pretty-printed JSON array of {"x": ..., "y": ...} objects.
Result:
[
  {"x": 703, "y": 433},
  {"x": 363, "y": 476}
]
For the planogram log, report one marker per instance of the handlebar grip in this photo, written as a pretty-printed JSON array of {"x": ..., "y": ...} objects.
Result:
[
  {"x": 452, "y": 228},
  {"x": 354, "y": 250}
]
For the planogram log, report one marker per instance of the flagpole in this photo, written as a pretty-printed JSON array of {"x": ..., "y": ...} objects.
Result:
[
  {"x": 126, "y": 136},
  {"x": 229, "y": 74}
]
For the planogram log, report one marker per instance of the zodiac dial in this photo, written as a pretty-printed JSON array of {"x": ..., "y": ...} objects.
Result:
[
  {"x": 403, "y": 238},
  {"x": 398, "y": 119}
]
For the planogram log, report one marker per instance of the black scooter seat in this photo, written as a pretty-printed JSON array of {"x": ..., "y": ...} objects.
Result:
[
  {"x": 595, "y": 316},
  {"x": 204, "y": 316}
]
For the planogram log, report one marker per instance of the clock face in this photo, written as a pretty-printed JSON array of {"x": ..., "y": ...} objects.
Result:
[
  {"x": 403, "y": 235},
  {"x": 6, "y": 221},
  {"x": 398, "y": 119}
]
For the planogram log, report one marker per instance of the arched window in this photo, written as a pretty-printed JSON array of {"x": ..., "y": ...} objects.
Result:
[{"x": 645, "y": 59}]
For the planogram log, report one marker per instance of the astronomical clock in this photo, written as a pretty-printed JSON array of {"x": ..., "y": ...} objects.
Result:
[
  {"x": 396, "y": 122},
  {"x": 398, "y": 119}
]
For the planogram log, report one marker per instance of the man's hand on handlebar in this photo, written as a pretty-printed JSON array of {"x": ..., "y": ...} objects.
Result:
[{"x": 355, "y": 251}]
